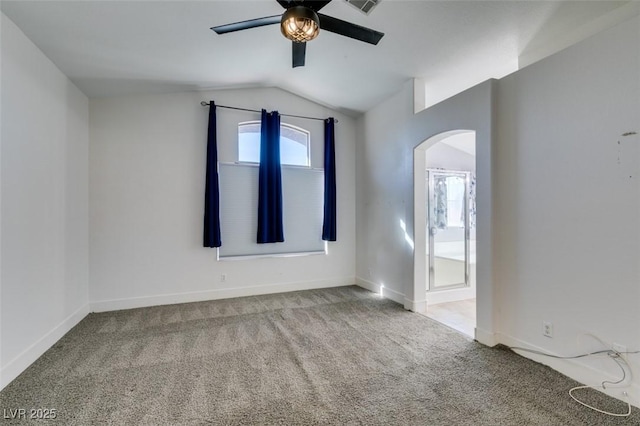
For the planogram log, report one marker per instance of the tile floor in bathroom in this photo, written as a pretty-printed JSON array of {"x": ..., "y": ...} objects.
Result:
[{"x": 460, "y": 315}]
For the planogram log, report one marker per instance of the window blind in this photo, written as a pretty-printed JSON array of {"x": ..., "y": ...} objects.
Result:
[{"x": 302, "y": 198}]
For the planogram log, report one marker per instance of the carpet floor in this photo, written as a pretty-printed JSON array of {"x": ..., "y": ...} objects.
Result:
[{"x": 330, "y": 356}]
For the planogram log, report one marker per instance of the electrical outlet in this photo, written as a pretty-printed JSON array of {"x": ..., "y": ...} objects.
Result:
[
  {"x": 223, "y": 278},
  {"x": 547, "y": 329}
]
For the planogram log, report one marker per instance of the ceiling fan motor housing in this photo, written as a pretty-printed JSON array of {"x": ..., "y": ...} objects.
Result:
[{"x": 300, "y": 24}]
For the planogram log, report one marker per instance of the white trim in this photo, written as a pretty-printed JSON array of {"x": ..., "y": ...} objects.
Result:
[
  {"x": 368, "y": 285},
  {"x": 419, "y": 95},
  {"x": 419, "y": 306},
  {"x": 575, "y": 369},
  {"x": 261, "y": 256},
  {"x": 222, "y": 293},
  {"x": 386, "y": 291},
  {"x": 284, "y": 166},
  {"x": 485, "y": 337},
  {"x": 396, "y": 296},
  {"x": 451, "y": 295},
  {"x": 27, "y": 357}
]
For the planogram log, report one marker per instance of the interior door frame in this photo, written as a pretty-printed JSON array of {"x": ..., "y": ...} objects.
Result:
[{"x": 472, "y": 111}]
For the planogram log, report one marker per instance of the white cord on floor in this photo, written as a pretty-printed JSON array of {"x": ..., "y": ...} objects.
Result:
[
  {"x": 615, "y": 355},
  {"x": 627, "y": 414}
]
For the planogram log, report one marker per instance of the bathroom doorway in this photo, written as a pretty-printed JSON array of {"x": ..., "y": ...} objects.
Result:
[{"x": 450, "y": 242}]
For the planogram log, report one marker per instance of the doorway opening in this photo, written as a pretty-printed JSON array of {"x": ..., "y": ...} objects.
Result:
[{"x": 449, "y": 218}]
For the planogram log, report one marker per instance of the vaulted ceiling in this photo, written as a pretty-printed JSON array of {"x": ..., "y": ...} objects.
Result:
[{"x": 111, "y": 48}]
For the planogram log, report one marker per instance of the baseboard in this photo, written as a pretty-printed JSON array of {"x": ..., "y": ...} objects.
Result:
[
  {"x": 368, "y": 285},
  {"x": 385, "y": 291},
  {"x": 576, "y": 370},
  {"x": 21, "y": 362},
  {"x": 224, "y": 293},
  {"x": 416, "y": 305},
  {"x": 485, "y": 337},
  {"x": 444, "y": 296}
]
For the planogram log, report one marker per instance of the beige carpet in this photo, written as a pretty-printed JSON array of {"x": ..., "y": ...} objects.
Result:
[{"x": 334, "y": 356}]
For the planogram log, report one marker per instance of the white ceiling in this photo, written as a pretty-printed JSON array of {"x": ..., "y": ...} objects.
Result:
[
  {"x": 111, "y": 48},
  {"x": 465, "y": 142}
]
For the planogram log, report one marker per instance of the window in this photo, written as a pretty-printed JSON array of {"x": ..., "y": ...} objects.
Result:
[
  {"x": 294, "y": 144},
  {"x": 302, "y": 194},
  {"x": 455, "y": 202}
]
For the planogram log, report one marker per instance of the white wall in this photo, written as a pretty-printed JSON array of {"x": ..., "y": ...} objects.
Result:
[
  {"x": 565, "y": 229},
  {"x": 568, "y": 200},
  {"x": 443, "y": 156},
  {"x": 387, "y": 138},
  {"x": 147, "y": 162},
  {"x": 44, "y": 220}
]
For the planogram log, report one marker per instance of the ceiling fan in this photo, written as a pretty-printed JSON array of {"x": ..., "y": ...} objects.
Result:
[{"x": 301, "y": 23}]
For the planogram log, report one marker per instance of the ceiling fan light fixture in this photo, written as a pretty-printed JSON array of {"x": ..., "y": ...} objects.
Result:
[{"x": 300, "y": 24}]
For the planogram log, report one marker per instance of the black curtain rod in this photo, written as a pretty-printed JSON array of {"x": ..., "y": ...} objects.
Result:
[{"x": 204, "y": 103}]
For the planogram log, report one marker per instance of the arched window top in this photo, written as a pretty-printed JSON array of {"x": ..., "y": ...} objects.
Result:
[{"x": 294, "y": 144}]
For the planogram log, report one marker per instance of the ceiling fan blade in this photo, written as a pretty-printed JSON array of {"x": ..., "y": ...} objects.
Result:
[
  {"x": 245, "y": 25},
  {"x": 286, "y": 3},
  {"x": 298, "y": 51},
  {"x": 316, "y": 5},
  {"x": 350, "y": 30},
  {"x": 312, "y": 4}
]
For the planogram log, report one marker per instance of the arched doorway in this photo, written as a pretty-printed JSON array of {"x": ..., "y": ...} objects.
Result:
[{"x": 445, "y": 228}]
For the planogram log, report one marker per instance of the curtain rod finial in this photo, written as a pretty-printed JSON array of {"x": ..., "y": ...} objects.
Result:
[{"x": 204, "y": 103}]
